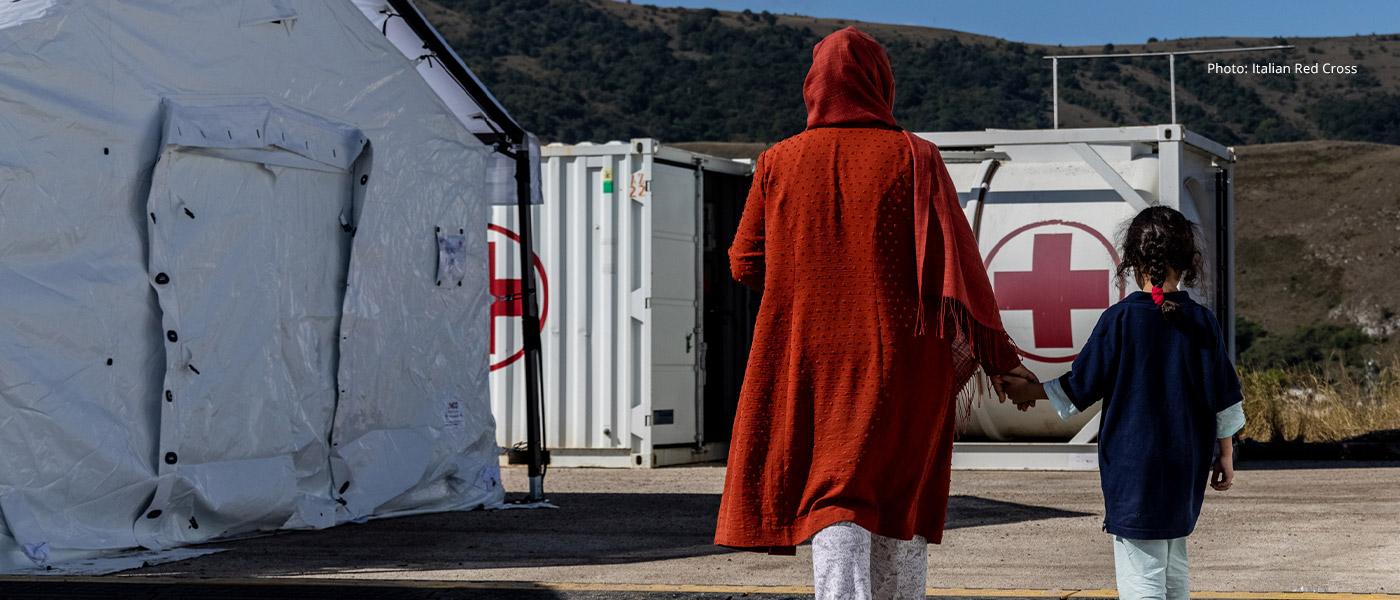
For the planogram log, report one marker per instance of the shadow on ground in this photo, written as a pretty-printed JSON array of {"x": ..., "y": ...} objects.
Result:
[
  {"x": 974, "y": 511},
  {"x": 587, "y": 529},
  {"x": 1369, "y": 450},
  {"x": 69, "y": 590}
]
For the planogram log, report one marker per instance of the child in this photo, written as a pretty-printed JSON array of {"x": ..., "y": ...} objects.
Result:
[{"x": 1159, "y": 362}]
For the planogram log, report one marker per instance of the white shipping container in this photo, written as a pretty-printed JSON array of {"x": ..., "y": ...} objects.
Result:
[
  {"x": 620, "y": 251},
  {"x": 632, "y": 244}
]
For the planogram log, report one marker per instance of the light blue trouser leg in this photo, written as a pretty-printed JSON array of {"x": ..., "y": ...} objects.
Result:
[
  {"x": 1178, "y": 570},
  {"x": 1152, "y": 569}
]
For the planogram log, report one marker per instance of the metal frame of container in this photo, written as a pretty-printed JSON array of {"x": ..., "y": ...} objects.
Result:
[
  {"x": 623, "y": 341},
  {"x": 1182, "y": 158}
]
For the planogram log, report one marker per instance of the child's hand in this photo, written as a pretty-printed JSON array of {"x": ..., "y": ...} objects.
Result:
[{"x": 1222, "y": 473}]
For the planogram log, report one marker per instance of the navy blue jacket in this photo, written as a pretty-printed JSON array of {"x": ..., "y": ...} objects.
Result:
[{"x": 1162, "y": 386}]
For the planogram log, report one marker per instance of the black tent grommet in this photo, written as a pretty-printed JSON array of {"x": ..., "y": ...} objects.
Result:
[
  {"x": 106, "y": 151},
  {"x": 169, "y": 397},
  {"x": 171, "y": 459},
  {"x": 162, "y": 278},
  {"x": 153, "y": 514},
  {"x": 364, "y": 179},
  {"x": 172, "y": 336},
  {"x": 109, "y": 362}
]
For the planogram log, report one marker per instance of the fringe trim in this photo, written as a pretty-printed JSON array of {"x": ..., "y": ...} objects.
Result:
[{"x": 974, "y": 345}]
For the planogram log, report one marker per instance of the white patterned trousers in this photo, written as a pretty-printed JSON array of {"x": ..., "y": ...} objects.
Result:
[{"x": 850, "y": 563}]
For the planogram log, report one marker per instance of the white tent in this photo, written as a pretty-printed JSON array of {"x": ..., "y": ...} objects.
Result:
[{"x": 243, "y": 271}]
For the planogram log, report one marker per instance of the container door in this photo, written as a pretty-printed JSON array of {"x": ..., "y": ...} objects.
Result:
[
  {"x": 674, "y": 304},
  {"x": 1225, "y": 255},
  {"x": 730, "y": 308}
]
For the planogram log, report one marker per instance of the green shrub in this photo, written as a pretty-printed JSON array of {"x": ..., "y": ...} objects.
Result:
[
  {"x": 1306, "y": 346},
  {"x": 1246, "y": 332}
]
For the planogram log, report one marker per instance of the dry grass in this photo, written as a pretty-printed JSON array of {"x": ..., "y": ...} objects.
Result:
[{"x": 1320, "y": 404}]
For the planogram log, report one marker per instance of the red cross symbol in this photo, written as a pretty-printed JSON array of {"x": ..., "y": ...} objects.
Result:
[
  {"x": 1050, "y": 290},
  {"x": 506, "y": 292}
]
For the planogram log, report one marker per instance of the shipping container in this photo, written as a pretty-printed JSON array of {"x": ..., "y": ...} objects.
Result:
[
  {"x": 646, "y": 335},
  {"x": 631, "y": 250}
]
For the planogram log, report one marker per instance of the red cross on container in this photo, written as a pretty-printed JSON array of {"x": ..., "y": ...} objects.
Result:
[
  {"x": 1050, "y": 290},
  {"x": 506, "y": 294}
]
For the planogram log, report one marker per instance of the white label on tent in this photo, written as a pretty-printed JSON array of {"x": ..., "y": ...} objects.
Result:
[
  {"x": 452, "y": 415},
  {"x": 452, "y": 259}
]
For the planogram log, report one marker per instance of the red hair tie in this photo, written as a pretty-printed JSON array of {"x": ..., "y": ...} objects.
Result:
[{"x": 1158, "y": 296}]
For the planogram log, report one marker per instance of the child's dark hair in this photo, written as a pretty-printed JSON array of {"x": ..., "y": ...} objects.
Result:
[{"x": 1161, "y": 238}]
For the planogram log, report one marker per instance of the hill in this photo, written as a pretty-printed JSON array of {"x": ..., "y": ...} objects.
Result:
[
  {"x": 1317, "y": 235},
  {"x": 580, "y": 70},
  {"x": 1317, "y": 220}
]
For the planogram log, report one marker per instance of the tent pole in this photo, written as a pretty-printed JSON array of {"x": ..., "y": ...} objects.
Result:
[{"x": 530, "y": 325}]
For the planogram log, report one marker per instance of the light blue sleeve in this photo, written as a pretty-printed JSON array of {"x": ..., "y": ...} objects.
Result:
[
  {"x": 1228, "y": 422},
  {"x": 1062, "y": 403}
]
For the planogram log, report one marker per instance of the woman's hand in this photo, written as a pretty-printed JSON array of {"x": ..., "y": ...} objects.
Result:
[
  {"x": 1024, "y": 373},
  {"x": 1024, "y": 393},
  {"x": 999, "y": 382}
]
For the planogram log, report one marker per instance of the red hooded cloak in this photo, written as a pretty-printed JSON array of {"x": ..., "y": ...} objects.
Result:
[{"x": 853, "y": 231}]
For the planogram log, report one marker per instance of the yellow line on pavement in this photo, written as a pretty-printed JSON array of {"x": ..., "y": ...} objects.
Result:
[
  {"x": 1252, "y": 595},
  {"x": 625, "y": 587}
]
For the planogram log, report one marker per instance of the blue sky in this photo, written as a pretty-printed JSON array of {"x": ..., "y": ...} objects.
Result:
[{"x": 1093, "y": 22}]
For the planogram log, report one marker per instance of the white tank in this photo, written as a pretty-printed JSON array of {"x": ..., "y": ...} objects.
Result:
[{"x": 1048, "y": 224}]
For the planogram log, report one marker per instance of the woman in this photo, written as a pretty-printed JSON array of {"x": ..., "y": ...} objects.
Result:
[{"x": 844, "y": 432}]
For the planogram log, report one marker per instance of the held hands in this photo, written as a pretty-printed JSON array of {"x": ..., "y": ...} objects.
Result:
[{"x": 1021, "y": 385}]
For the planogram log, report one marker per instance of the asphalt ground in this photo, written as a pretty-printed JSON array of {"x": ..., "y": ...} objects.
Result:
[
  {"x": 158, "y": 589},
  {"x": 1286, "y": 530}
]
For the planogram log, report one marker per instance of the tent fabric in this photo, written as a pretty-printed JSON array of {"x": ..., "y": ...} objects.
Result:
[
  {"x": 501, "y": 188},
  {"x": 207, "y": 329}
]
